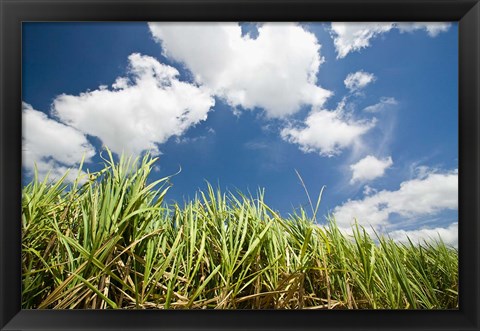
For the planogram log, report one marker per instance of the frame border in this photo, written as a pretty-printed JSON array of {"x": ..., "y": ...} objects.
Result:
[{"x": 14, "y": 12}]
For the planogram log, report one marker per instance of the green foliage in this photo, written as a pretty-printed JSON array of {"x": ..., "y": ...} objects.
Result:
[{"x": 113, "y": 243}]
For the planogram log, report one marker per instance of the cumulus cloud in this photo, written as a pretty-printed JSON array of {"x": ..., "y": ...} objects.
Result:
[
  {"x": 352, "y": 36},
  {"x": 449, "y": 235},
  {"x": 356, "y": 81},
  {"x": 54, "y": 147},
  {"x": 140, "y": 111},
  {"x": 369, "y": 168},
  {"x": 415, "y": 198},
  {"x": 326, "y": 132},
  {"x": 276, "y": 71},
  {"x": 384, "y": 104}
]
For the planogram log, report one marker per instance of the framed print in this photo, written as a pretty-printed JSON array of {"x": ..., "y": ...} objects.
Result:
[{"x": 239, "y": 165}]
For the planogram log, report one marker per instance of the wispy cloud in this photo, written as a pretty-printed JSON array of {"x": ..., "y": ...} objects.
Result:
[
  {"x": 385, "y": 103},
  {"x": 356, "y": 81},
  {"x": 190, "y": 140},
  {"x": 367, "y": 190},
  {"x": 432, "y": 28},
  {"x": 353, "y": 37},
  {"x": 256, "y": 145}
]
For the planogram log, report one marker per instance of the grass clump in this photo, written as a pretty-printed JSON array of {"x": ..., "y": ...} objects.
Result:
[{"x": 112, "y": 242}]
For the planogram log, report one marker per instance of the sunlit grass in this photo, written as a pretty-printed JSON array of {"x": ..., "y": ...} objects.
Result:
[{"x": 112, "y": 242}]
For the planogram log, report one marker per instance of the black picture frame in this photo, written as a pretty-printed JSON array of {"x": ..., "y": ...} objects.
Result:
[{"x": 14, "y": 12}]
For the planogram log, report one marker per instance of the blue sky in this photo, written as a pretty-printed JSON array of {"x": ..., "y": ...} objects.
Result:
[{"x": 369, "y": 110}]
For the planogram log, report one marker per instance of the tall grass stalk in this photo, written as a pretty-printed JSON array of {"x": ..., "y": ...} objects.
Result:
[{"x": 112, "y": 242}]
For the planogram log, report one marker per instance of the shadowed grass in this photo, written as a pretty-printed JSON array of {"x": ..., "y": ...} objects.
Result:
[{"x": 113, "y": 243}]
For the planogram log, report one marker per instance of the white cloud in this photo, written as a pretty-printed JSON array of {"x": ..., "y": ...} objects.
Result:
[
  {"x": 422, "y": 171},
  {"x": 369, "y": 168},
  {"x": 353, "y": 36},
  {"x": 432, "y": 28},
  {"x": 326, "y": 132},
  {"x": 384, "y": 104},
  {"x": 449, "y": 235},
  {"x": 54, "y": 147},
  {"x": 276, "y": 71},
  {"x": 256, "y": 145},
  {"x": 415, "y": 198},
  {"x": 367, "y": 190},
  {"x": 142, "y": 110},
  {"x": 358, "y": 80}
]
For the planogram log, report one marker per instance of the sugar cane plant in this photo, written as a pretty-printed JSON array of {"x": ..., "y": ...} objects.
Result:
[{"x": 109, "y": 240}]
